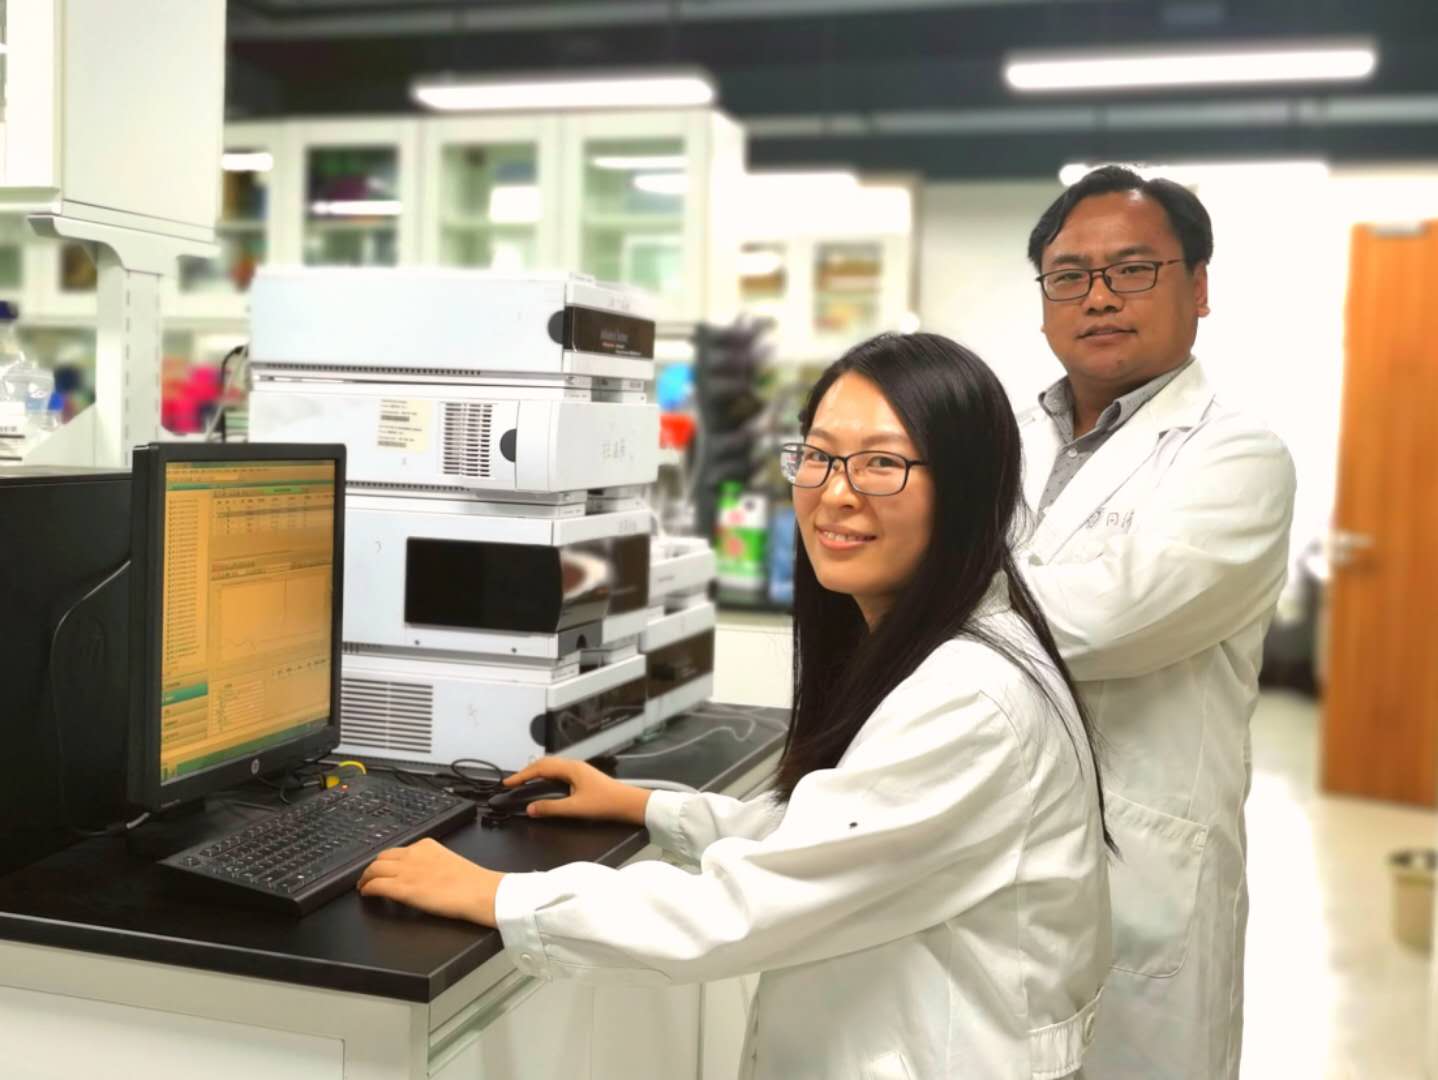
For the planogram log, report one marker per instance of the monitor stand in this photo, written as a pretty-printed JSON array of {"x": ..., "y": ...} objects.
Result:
[
  {"x": 89, "y": 676},
  {"x": 189, "y": 823},
  {"x": 172, "y": 830}
]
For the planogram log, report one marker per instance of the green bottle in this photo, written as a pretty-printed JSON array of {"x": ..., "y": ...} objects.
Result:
[{"x": 741, "y": 537}]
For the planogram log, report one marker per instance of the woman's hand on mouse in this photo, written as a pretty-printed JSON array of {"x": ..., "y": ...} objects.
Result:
[
  {"x": 592, "y": 794},
  {"x": 428, "y": 876}
]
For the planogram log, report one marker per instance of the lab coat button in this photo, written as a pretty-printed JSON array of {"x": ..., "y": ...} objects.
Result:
[
  {"x": 526, "y": 959},
  {"x": 1073, "y": 453},
  {"x": 1034, "y": 560}
]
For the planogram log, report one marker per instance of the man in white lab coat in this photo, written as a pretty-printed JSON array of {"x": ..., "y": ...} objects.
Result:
[{"x": 1158, "y": 549}]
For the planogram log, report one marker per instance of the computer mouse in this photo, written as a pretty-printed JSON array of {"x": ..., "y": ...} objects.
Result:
[{"x": 514, "y": 800}]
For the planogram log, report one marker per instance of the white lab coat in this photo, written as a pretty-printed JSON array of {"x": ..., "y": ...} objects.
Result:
[
  {"x": 936, "y": 905},
  {"x": 1158, "y": 568}
]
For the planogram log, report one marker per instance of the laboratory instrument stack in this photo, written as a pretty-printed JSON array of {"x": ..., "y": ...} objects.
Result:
[{"x": 500, "y": 593}]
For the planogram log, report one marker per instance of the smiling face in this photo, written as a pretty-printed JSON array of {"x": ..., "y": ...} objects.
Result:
[
  {"x": 1110, "y": 342},
  {"x": 866, "y": 546}
]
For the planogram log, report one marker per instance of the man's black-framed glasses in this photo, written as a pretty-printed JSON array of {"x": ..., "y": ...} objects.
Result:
[
  {"x": 869, "y": 472},
  {"x": 1075, "y": 282}
]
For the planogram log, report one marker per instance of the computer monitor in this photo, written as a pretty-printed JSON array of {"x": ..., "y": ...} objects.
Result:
[{"x": 237, "y": 559}]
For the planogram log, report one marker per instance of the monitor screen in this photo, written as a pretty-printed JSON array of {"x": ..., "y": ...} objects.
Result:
[{"x": 240, "y": 624}]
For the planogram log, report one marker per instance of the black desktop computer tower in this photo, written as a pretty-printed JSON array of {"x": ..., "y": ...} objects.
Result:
[{"x": 64, "y": 656}]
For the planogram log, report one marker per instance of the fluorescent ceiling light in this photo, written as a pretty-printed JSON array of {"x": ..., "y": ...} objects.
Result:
[
  {"x": 514, "y": 204},
  {"x": 1198, "y": 172},
  {"x": 619, "y": 91},
  {"x": 671, "y": 183},
  {"x": 641, "y": 162},
  {"x": 247, "y": 161},
  {"x": 355, "y": 208},
  {"x": 1133, "y": 68}
]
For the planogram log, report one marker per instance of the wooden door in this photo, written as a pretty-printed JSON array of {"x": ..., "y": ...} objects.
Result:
[{"x": 1381, "y": 700}]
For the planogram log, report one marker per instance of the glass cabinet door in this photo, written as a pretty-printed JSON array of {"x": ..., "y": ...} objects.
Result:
[
  {"x": 848, "y": 289},
  {"x": 352, "y": 206},
  {"x": 78, "y": 273},
  {"x": 632, "y": 212},
  {"x": 241, "y": 229},
  {"x": 491, "y": 205},
  {"x": 764, "y": 280}
]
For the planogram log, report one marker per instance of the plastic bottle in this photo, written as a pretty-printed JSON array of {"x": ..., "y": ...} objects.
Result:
[
  {"x": 26, "y": 390},
  {"x": 781, "y": 556},
  {"x": 741, "y": 538},
  {"x": 13, "y": 421}
]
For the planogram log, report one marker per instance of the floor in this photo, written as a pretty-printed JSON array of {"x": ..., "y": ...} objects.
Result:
[{"x": 1331, "y": 995}]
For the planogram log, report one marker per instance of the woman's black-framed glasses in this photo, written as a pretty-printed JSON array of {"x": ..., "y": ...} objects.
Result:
[
  {"x": 1075, "y": 282},
  {"x": 869, "y": 472}
]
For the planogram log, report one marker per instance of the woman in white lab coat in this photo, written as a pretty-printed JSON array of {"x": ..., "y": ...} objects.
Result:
[{"x": 924, "y": 891}]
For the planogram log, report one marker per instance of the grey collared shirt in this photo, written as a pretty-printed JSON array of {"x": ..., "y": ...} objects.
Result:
[{"x": 1058, "y": 402}]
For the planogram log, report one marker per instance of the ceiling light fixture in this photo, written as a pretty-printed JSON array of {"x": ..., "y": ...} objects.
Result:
[
  {"x": 619, "y": 90},
  {"x": 1132, "y": 69},
  {"x": 1198, "y": 172}
]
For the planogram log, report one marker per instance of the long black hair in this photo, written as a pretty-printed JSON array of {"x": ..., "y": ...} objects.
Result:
[{"x": 959, "y": 418}]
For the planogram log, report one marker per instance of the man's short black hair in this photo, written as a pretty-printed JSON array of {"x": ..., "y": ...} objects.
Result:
[{"x": 1186, "y": 214}]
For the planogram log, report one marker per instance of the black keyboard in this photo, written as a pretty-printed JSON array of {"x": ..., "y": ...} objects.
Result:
[{"x": 307, "y": 854}]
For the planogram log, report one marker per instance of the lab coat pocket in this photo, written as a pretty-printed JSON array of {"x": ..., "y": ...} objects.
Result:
[{"x": 1154, "y": 885}]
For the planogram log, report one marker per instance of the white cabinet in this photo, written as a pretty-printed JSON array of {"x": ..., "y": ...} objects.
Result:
[
  {"x": 357, "y": 200},
  {"x": 525, "y": 1029},
  {"x": 651, "y": 199},
  {"x": 93, "y": 129},
  {"x": 38, "y": 1030},
  {"x": 860, "y": 287},
  {"x": 829, "y": 263},
  {"x": 490, "y": 195},
  {"x": 256, "y": 174},
  {"x": 648, "y": 198},
  {"x": 520, "y": 1028}
]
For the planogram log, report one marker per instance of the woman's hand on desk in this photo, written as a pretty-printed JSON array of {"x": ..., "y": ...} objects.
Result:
[
  {"x": 592, "y": 794},
  {"x": 428, "y": 876}
]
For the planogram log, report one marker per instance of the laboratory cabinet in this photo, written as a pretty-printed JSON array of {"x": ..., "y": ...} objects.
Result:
[{"x": 108, "y": 968}]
